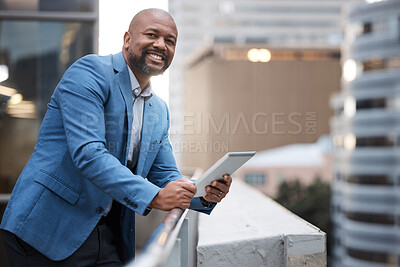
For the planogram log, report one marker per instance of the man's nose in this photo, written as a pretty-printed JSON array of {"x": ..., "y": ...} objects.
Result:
[{"x": 160, "y": 44}]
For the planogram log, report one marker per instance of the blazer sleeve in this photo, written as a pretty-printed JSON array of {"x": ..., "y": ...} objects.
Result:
[
  {"x": 164, "y": 170},
  {"x": 82, "y": 92}
]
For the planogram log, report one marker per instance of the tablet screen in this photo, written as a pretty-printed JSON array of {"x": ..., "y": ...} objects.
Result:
[{"x": 228, "y": 164}]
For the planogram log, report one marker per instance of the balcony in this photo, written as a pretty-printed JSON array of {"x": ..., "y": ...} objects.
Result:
[{"x": 246, "y": 229}]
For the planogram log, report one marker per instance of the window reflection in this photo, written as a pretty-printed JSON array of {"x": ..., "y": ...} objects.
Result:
[
  {"x": 373, "y": 256},
  {"x": 369, "y": 179},
  {"x": 374, "y": 64},
  {"x": 371, "y": 218},
  {"x": 371, "y": 103},
  {"x": 36, "y": 53},
  {"x": 375, "y": 141},
  {"x": 48, "y": 5},
  {"x": 367, "y": 28},
  {"x": 351, "y": 106},
  {"x": 350, "y": 141}
]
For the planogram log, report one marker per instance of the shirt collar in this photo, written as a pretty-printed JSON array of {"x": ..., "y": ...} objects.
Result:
[{"x": 147, "y": 91}]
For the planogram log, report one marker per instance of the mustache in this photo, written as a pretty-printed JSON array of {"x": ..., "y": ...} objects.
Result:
[{"x": 145, "y": 51}]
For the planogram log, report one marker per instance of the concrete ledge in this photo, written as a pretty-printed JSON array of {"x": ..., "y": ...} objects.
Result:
[{"x": 250, "y": 229}]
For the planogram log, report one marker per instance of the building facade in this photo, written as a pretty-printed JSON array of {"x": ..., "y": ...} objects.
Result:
[
  {"x": 298, "y": 162},
  {"x": 39, "y": 40},
  {"x": 366, "y": 130},
  {"x": 235, "y": 104},
  {"x": 258, "y": 23}
]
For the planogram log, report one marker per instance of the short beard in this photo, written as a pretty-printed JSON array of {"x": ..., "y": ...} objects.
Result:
[{"x": 140, "y": 63}]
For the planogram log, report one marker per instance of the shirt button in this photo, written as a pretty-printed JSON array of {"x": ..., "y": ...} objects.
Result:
[
  {"x": 136, "y": 91},
  {"x": 99, "y": 210}
]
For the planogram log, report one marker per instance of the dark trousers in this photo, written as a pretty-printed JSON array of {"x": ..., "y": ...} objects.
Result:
[{"x": 99, "y": 249}]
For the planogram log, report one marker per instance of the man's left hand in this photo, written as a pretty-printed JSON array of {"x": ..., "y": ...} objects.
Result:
[{"x": 218, "y": 189}]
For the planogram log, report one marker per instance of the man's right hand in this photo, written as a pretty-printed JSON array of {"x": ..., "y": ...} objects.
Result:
[{"x": 176, "y": 194}]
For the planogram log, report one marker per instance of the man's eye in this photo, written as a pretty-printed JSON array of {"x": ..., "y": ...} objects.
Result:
[
  {"x": 151, "y": 34},
  {"x": 170, "y": 42}
]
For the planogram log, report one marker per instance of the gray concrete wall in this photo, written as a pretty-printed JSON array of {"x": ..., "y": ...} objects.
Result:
[{"x": 249, "y": 229}]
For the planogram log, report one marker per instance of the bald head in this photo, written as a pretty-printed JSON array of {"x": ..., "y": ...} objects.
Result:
[
  {"x": 152, "y": 12},
  {"x": 149, "y": 44}
]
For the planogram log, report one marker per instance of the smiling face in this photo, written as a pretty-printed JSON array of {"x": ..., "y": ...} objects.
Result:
[{"x": 149, "y": 45}]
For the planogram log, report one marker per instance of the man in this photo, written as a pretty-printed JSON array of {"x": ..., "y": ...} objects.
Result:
[{"x": 104, "y": 133}]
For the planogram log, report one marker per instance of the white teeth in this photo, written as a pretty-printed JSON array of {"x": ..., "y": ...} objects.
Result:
[{"x": 155, "y": 56}]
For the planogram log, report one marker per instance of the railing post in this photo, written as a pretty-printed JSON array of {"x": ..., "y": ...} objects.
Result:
[
  {"x": 174, "y": 259},
  {"x": 184, "y": 237},
  {"x": 179, "y": 254},
  {"x": 173, "y": 243},
  {"x": 193, "y": 225}
]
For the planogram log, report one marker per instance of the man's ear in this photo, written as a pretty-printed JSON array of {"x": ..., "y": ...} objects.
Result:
[{"x": 127, "y": 40}]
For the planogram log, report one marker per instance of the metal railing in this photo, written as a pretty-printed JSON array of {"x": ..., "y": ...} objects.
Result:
[
  {"x": 168, "y": 246},
  {"x": 173, "y": 242},
  {"x": 246, "y": 228}
]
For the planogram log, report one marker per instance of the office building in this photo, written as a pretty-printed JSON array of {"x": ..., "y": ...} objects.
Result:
[
  {"x": 258, "y": 23},
  {"x": 366, "y": 130},
  {"x": 241, "y": 99}
]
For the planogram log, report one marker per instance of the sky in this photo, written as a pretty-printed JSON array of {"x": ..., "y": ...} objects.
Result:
[{"x": 114, "y": 19}]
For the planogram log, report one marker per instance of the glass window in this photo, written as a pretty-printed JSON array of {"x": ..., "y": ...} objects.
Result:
[
  {"x": 371, "y": 103},
  {"x": 374, "y": 64},
  {"x": 33, "y": 55},
  {"x": 224, "y": 39},
  {"x": 375, "y": 141},
  {"x": 372, "y": 256},
  {"x": 255, "y": 178},
  {"x": 256, "y": 39},
  {"x": 380, "y": 64},
  {"x": 367, "y": 28},
  {"x": 371, "y": 218},
  {"x": 369, "y": 179},
  {"x": 285, "y": 23},
  {"x": 48, "y": 5},
  {"x": 350, "y": 141},
  {"x": 287, "y": 9}
]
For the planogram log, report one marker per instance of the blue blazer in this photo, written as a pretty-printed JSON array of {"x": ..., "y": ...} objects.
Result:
[{"x": 78, "y": 164}]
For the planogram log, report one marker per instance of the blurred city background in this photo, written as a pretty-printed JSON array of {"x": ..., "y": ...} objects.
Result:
[{"x": 312, "y": 86}]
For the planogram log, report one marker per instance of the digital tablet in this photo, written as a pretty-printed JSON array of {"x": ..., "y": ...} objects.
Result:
[{"x": 228, "y": 164}]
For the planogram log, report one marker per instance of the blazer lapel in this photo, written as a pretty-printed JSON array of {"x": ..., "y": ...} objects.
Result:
[
  {"x": 124, "y": 84},
  {"x": 149, "y": 118}
]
